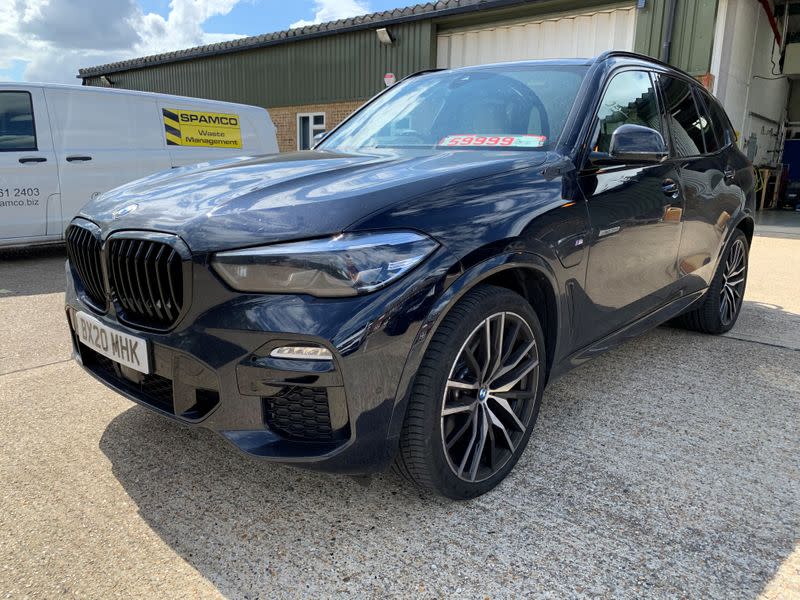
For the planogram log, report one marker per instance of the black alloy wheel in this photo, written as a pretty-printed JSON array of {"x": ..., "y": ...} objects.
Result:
[
  {"x": 718, "y": 310},
  {"x": 733, "y": 280},
  {"x": 476, "y": 395},
  {"x": 489, "y": 396}
]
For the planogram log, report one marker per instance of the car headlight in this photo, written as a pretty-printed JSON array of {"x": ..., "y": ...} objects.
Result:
[{"x": 345, "y": 265}]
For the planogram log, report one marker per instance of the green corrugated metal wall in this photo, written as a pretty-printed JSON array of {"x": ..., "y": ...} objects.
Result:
[
  {"x": 347, "y": 66},
  {"x": 692, "y": 37},
  {"x": 350, "y": 66}
]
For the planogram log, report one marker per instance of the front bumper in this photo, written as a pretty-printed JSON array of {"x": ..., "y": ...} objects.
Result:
[{"x": 214, "y": 368}]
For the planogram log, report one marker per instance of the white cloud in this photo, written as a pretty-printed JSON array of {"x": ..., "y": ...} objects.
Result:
[
  {"x": 56, "y": 37},
  {"x": 332, "y": 10}
]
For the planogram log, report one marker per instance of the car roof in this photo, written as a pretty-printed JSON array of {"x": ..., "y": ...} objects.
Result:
[
  {"x": 557, "y": 62},
  {"x": 618, "y": 56}
]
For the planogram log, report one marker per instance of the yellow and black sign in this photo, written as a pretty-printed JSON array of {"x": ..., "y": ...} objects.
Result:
[{"x": 195, "y": 128}]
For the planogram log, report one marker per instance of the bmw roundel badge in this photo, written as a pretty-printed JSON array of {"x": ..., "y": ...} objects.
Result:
[{"x": 125, "y": 210}]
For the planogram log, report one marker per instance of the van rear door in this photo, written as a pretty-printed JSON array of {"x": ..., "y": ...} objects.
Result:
[{"x": 28, "y": 171}]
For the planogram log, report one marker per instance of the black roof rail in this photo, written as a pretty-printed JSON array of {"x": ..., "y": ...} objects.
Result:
[{"x": 635, "y": 55}]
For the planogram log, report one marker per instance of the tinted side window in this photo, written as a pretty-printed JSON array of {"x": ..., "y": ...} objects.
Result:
[
  {"x": 713, "y": 141},
  {"x": 17, "y": 132},
  {"x": 685, "y": 125},
  {"x": 629, "y": 98},
  {"x": 719, "y": 121}
]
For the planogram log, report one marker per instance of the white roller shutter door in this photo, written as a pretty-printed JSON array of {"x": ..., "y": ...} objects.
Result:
[{"x": 581, "y": 34}]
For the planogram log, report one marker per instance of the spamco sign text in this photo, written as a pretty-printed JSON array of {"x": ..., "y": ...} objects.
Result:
[
  {"x": 209, "y": 119},
  {"x": 196, "y": 128}
]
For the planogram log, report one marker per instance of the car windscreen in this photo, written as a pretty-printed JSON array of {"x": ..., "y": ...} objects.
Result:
[{"x": 520, "y": 107}]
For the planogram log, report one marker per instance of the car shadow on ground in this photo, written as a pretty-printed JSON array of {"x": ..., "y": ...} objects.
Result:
[
  {"x": 666, "y": 467},
  {"x": 768, "y": 324},
  {"x": 32, "y": 271}
]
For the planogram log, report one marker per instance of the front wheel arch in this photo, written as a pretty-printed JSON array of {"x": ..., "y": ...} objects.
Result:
[
  {"x": 504, "y": 269},
  {"x": 747, "y": 226}
]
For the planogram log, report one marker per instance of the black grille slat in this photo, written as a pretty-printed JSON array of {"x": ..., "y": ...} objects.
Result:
[
  {"x": 173, "y": 289},
  {"x": 125, "y": 286},
  {"x": 138, "y": 267},
  {"x": 116, "y": 278},
  {"x": 97, "y": 271},
  {"x": 127, "y": 262},
  {"x": 166, "y": 306},
  {"x": 154, "y": 302},
  {"x": 149, "y": 289},
  {"x": 86, "y": 238},
  {"x": 83, "y": 251}
]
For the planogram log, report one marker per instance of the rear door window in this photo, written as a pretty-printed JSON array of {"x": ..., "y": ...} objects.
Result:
[
  {"x": 17, "y": 130},
  {"x": 719, "y": 120},
  {"x": 685, "y": 124},
  {"x": 630, "y": 98},
  {"x": 713, "y": 142}
]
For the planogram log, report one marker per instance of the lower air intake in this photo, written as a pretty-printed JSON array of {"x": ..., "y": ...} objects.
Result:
[{"x": 299, "y": 413}]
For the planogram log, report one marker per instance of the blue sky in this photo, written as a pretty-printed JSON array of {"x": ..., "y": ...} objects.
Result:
[
  {"x": 253, "y": 17},
  {"x": 49, "y": 40}
]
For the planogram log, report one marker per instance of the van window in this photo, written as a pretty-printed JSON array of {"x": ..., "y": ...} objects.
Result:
[
  {"x": 17, "y": 130},
  {"x": 629, "y": 99},
  {"x": 685, "y": 124}
]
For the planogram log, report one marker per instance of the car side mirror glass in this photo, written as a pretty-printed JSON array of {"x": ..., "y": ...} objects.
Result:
[
  {"x": 636, "y": 143},
  {"x": 319, "y": 137}
]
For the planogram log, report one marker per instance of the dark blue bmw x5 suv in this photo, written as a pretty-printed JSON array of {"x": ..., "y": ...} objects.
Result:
[{"x": 403, "y": 292}]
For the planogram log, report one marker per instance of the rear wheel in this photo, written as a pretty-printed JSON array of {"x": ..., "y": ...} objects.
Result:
[
  {"x": 476, "y": 395},
  {"x": 720, "y": 308}
]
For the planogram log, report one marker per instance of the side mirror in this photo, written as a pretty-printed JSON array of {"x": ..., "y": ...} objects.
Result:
[
  {"x": 319, "y": 137},
  {"x": 635, "y": 143}
]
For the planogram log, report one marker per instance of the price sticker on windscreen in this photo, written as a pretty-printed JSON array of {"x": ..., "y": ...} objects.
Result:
[
  {"x": 203, "y": 129},
  {"x": 494, "y": 141}
]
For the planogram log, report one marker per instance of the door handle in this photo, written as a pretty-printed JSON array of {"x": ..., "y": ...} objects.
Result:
[
  {"x": 32, "y": 159},
  {"x": 670, "y": 188},
  {"x": 729, "y": 175},
  {"x": 76, "y": 158}
]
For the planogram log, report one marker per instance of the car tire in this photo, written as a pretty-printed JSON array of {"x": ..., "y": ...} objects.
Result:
[
  {"x": 719, "y": 309},
  {"x": 471, "y": 411}
]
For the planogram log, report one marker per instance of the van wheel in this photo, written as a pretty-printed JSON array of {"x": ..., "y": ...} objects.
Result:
[
  {"x": 476, "y": 396},
  {"x": 720, "y": 308}
]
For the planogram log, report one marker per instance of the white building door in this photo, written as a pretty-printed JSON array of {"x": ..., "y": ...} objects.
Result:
[{"x": 582, "y": 34}]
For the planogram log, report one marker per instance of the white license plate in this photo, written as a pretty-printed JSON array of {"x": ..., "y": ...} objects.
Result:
[{"x": 125, "y": 349}]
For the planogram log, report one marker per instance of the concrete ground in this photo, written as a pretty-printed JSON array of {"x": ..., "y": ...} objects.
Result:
[{"x": 669, "y": 467}]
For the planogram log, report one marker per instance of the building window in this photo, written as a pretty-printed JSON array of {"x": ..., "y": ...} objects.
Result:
[{"x": 309, "y": 125}]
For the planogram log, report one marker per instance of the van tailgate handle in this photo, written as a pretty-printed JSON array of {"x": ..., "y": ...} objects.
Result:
[
  {"x": 32, "y": 159},
  {"x": 78, "y": 158}
]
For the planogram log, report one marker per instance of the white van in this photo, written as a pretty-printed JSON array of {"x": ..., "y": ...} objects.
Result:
[{"x": 62, "y": 145}]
